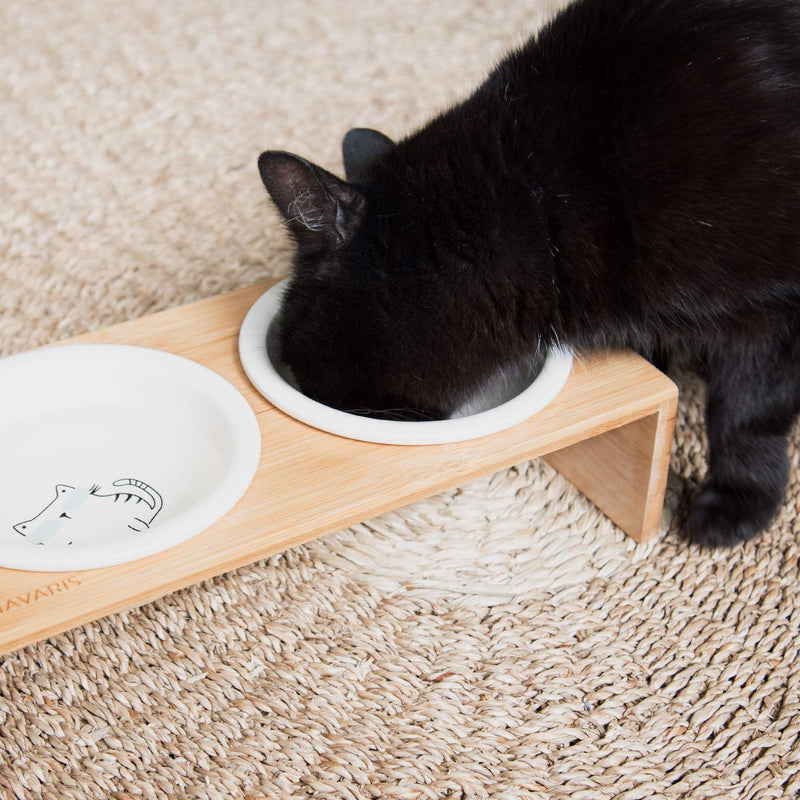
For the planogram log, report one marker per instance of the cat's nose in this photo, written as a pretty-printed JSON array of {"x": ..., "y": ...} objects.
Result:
[{"x": 43, "y": 531}]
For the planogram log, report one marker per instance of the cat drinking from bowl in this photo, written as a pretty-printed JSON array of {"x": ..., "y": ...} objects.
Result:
[{"x": 629, "y": 177}]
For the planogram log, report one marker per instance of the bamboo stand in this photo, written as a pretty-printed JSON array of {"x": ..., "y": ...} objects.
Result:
[{"x": 609, "y": 432}]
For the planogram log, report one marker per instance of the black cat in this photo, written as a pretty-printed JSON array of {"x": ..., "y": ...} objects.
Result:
[{"x": 629, "y": 177}]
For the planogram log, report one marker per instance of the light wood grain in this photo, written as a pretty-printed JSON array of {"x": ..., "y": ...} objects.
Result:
[
  {"x": 310, "y": 482},
  {"x": 624, "y": 471}
]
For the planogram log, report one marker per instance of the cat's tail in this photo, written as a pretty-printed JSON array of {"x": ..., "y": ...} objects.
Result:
[{"x": 157, "y": 501}]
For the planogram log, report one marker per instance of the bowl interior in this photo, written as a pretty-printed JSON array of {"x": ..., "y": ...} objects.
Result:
[
  {"x": 109, "y": 453},
  {"x": 502, "y": 387}
]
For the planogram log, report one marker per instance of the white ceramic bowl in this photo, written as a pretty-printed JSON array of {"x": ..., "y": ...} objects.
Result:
[
  {"x": 501, "y": 405},
  {"x": 109, "y": 453}
]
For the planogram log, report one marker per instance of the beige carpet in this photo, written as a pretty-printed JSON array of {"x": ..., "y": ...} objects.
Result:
[{"x": 499, "y": 641}]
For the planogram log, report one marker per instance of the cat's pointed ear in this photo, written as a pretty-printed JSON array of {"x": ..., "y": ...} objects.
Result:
[
  {"x": 360, "y": 147},
  {"x": 314, "y": 202}
]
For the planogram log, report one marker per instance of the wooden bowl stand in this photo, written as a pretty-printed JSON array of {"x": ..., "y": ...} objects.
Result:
[{"x": 609, "y": 432}]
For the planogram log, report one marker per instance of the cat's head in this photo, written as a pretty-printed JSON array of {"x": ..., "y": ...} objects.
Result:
[
  {"x": 381, "y": 315},
  {"x": 47, "y": 523}
]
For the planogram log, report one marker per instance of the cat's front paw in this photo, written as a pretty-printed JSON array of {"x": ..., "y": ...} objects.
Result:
[{"x": 723, "y": 517}]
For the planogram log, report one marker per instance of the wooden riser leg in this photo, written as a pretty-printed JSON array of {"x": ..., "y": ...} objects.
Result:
[{"x": 624, "y": 471}]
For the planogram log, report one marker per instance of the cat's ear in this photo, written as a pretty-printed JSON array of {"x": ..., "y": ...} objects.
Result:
[
  {"x": 360, "y": 147},
  {"x": 314, "y": 202}
]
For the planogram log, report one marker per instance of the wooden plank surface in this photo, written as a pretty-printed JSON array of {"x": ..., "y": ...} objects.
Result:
[
  {"x": 309, "y": 482},
  {"x": 624, "y": 471}
]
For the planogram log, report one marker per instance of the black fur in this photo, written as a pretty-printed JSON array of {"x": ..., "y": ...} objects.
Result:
[{"x": 629, "y": 177}]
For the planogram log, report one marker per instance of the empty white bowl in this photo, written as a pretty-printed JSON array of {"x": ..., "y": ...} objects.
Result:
[
  {"x": 508, "y": 401},
  {"x": 109, "y": 453}
]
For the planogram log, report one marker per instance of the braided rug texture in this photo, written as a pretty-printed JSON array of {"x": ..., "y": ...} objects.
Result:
[{"x": 502, "y": 640}]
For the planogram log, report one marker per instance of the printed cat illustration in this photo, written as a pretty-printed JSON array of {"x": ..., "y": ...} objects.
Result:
[{"x": 75, "y": 509}]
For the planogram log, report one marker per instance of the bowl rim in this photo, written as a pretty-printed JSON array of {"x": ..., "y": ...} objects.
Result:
[
  {"x": 209, "y": 508},
  {"x": 262, "y": 374}
]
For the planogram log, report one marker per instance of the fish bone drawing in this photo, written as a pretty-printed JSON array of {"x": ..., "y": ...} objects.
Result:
[{"x": 131, "y": 505}]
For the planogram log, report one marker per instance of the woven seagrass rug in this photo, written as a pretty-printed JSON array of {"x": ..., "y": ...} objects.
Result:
[{"x": 502, "y": 640}]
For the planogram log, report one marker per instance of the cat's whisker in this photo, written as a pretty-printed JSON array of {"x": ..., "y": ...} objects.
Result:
[{"x": 394, "y": 414}]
